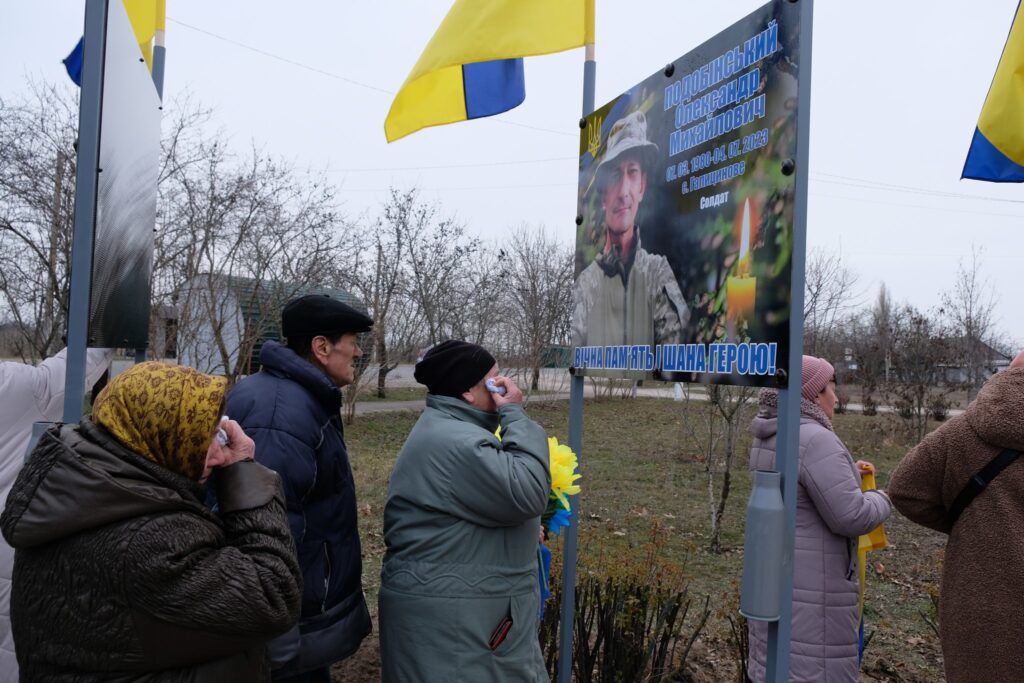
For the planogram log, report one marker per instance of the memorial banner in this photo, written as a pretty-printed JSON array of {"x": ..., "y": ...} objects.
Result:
[
  {"x": 126, "y": 192},
  {"x": 686, "y": 204}
]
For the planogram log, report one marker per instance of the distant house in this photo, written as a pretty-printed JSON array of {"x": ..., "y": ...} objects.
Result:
[
  {"x": 224, "y": 321},
  {"x": 556, "y": 356},
  {"x": 163, "y": 332},
  {"x": 990, "y": 359}
]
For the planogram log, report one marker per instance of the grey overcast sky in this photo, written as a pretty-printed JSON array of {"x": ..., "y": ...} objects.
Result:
[{"x": 897, "y": 88}]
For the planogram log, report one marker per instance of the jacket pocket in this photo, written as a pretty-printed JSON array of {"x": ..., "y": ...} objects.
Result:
[{"x": 313, "y": 562}]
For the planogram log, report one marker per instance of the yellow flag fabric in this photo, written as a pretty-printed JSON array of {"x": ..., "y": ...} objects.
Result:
[
  {"x": 482, "y": 31},
  {"x": 143, "y": 15},
  {"x": 1002, "y": 118},
  {"x": 873, "y": 540}
]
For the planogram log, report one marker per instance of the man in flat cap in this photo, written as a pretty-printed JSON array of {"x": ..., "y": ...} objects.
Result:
[
  {"x": 627, "y": 295},
  {"x": 292, "y": 410},
  {"x": 459, "y": 597}
]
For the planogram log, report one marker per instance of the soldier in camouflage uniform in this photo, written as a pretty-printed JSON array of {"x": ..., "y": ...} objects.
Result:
[{"x": 627, "y": 295}]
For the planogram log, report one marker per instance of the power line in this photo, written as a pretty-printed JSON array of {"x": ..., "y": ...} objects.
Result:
[
  {"x": 448, "y": 166},
  {"x": 892, "y": 187},
  {"x": 338, "y": 77},
  {"x": 862, "y": 183},
  {"x": 280, "y": 58},
  {"x": 917, "y": 206},
  {"x": 846, "y": 181},
  {"x": 528, "y": 161},
  {"x": 460, "y": 189}
]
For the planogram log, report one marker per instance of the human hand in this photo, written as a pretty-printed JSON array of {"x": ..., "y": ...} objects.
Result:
[
  {"x": 239, "y": 446},
  {"x": 512, "y": 392},
  {"x": 865, "y": 466}
]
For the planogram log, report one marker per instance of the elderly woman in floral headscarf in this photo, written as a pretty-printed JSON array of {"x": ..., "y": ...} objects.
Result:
[{"x": 120, "y": 570}]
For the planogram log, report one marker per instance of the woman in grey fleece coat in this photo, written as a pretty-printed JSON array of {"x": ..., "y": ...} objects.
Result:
[
  {"x": 459, "y": 597},
  {"x": 831, "y": 514}
]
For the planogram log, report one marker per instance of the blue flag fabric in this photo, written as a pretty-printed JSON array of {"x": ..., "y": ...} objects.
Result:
[
  {"x": 860, "y": 641},
  {"x": 73, "y": 63},
  {"x": 986, "y": 162},
  {"x": 543, "y": 575},
  {"x": 493, "y": 87}
]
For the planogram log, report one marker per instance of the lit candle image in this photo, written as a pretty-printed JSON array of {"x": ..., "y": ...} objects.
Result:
[{"x": 740, "y": 288}]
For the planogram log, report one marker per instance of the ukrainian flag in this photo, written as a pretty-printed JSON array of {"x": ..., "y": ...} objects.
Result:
[
  {"x": 997, "y": 150},
  {"x": 146, "y": 17},
  {"x": 472, "y": 67}
]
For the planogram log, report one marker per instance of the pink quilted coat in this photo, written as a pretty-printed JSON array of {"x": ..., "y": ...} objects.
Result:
[{"x": 831, "y": 513}]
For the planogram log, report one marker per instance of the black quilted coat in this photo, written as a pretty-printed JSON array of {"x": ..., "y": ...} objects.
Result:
[{"x": 122, "y": 574}]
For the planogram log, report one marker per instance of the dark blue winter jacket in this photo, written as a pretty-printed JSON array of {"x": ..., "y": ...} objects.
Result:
[{"x": 292, "y": 411}]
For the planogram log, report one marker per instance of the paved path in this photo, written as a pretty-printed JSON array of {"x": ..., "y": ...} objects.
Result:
[
  {"x": 417, "y": 405},
  {"x": 659, "y": 390},
  {"x": 366, "y": 407}
]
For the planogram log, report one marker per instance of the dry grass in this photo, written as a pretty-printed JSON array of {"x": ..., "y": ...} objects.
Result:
[{"x": 645, "y": 510}]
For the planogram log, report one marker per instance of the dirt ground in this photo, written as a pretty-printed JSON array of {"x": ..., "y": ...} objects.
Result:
[{"x": 364, "y": 665}]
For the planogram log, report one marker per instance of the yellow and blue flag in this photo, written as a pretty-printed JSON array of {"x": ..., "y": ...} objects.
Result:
[
  {"x": 146, "y": 17},
  {"x": 73, "y": 62},
  {"x": 143, "y": 16},
  {"x": 473, "y": 66},
  {"x": 997, "y": 150}
]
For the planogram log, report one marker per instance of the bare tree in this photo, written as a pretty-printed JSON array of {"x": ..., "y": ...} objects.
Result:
[
  {"x": 867, "y": 334},
  {"x": 438, "y": 254},
  {"x": 920, "y": 352},
  {"x": 361, "y": 367},
  {"x": 715, "y": 433},
  {"x": 423, "y": 279},
  {"x": 380, "y": 276},
  {"x": 882, "y": 318},
  {"x": 238, "y": 239},
  {"x": 536, "y": 277},
  {"x": 828, "y": 297},
  {"x": 37, "y": 186},
  {"x": 219, "y": 222},
  {"x": 970, "y": 310},
  {"x": 479, "y": 300}
]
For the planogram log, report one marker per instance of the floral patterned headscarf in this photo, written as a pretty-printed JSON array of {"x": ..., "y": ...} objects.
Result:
[{"x": 165, "y": 413}]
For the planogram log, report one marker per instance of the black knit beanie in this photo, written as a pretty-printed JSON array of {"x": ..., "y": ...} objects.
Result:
[{"x": 452, "y": 367}]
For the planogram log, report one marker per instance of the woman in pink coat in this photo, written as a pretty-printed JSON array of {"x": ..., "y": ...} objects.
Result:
[{"x": 831, "y": 514}]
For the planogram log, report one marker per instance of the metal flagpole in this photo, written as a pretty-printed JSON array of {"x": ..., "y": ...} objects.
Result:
[
  {"x": 86, "y": 180},
  {"x": 159, "y": 51},
  {"x": 566, "y": 628},
  {"x": 568, "y": 606},
  {"x": 788, "y": 441}
]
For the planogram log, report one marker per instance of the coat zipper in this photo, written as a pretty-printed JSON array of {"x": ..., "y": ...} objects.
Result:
[{"x": 327, "y": 578}]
